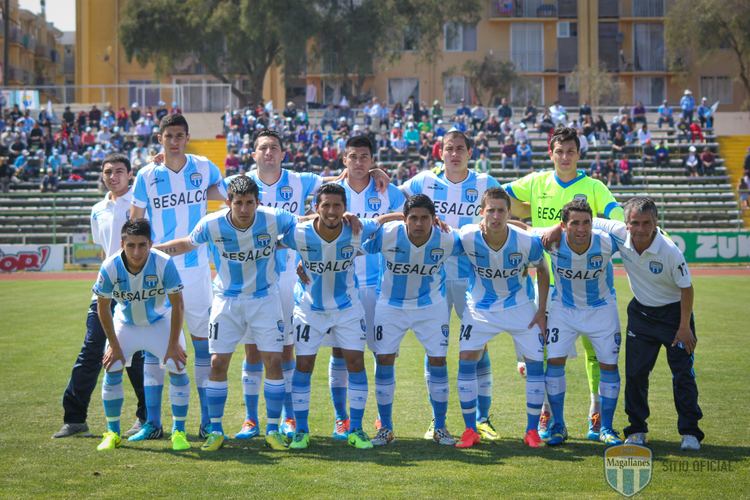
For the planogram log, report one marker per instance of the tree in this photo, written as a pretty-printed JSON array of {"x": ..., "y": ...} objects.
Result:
[
  {"x": 489, "y": 78},
  {"x": 594, "y": 84},
  {"x": 699, "y": 29}
]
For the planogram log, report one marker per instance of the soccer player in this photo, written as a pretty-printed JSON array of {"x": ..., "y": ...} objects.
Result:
[
  {"x": 107, "y": 218},
  {"x": 457, "y": 192},
  {"x": 146, "y": 285},
  {"x": 412, "y": 297},
  {"x": 546, "y": 192},
  {"x": 329, "y": 305},
  {"x": 174, "y": 195},
  {"x": 501, "y": 298},
  {"x": 583, "y": 303},
  {"x": 660, "y": 313}
]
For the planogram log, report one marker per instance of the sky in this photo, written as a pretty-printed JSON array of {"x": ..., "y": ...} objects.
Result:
[{"x": 61, "y": 13}]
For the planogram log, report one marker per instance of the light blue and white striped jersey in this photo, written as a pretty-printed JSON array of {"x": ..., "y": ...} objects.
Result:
[
  {"x": 176, "y": 201},
  {"x": 369, "y": 204},
  {"x": 330, "y": 265},
  {"x": 244, "y": 259},
  {"x": 499, "y": 281},
  {"x": 455, "y": 203},
  {"x": 584, "y": 281},
  {"x": 141, "y": 298},
  {"x": 413, "y": 276}
]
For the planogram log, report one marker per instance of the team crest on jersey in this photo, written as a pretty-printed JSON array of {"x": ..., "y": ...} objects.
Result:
[
  {"x": 515, "y": 258},
  {"x": 655, "y": 267},
  {"x": 445, "y": 330},
  {"x": 280, "y": 326},
  {"x": 196, "y": 179},
  {"x": 347, "y": 252},
  {"x": 374, "y": 203},
  {"x": 286, "y": 192},
  {"x": 618, "y": 338},
  {"x": 363, "y": 325},
  {"x": 580, "y": 197},
  {"x": 436, "y": 254},
  {"x": 595, "y": 261},
  {"x": 542, "y": 340},
  {"x": 150, "y": 281},
  {"x": 263, "y": 239},
  {"x": 471, "y": 195}
]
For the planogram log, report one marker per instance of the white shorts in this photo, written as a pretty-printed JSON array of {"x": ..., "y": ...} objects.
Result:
[
  {"x": 153, "y": 338},
  {"x": 287, "y": 280},
  {"x": 430, "y": 325},
  {"x": 347, "y": 328},
  {"x": 601, "y": 325},
  {"x": 197, "y": 294},
  {"x": 479, "y": 326},
  {"x": 246, "y": 320},
  {"x": 368, "y": 297},
  {"x": 455, "y": 295}
]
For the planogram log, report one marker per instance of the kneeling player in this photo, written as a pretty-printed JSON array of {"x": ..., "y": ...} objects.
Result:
[
  {"x": 500, "y": 298},
  {"x": 140, "y": 279},
  {"x": 412, "y": 296}
]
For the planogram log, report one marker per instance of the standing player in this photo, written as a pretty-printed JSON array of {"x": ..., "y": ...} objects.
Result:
[
  {"x": 107, "y": 218},
  {"x": 141, "y": 279},
  {"x": 457, "y": 193},
  {"x": 501, "y": 299},
  {"x": 583, "y": 303},
  {"x": 546, "y": 192},
  {"x": 246, "y": 305},
  {"x": 174, "y": 195},
  {"x": 412, "y": 296}
]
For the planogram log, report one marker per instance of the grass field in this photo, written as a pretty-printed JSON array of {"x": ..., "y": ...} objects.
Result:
[{"x": 43, "y": 326}]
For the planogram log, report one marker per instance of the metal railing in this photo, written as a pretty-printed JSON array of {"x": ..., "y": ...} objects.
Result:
[{"x": 523, "y": 8}]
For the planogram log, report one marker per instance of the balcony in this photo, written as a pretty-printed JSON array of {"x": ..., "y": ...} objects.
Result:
[
  {"x": 643, "y": 8},
  {"x": 15, "y": 33},
  {"x": 509, "y": 9},
  {"x": 331, "y": 64}
]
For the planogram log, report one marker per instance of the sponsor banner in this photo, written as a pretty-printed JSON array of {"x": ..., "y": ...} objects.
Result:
[
  {"x": 14, "y": 258},
  {"x": 26, "y": 99},
  {"x": 87, "y": 253},
  {"x": 714, "y": 247}
]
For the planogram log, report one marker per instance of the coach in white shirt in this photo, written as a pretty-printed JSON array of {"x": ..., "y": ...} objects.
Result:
[{"x": 661, "y": 313}]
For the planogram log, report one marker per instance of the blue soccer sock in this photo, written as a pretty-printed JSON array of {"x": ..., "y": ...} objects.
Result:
[
  {"x": 287, "y": 367},
  {"x": 179, "y": 396},
  {"x": 252, "y": 374},
  {"x": 216, "y": 394},
  {"x": 385, "y": 386},
  {"x": 201, "y": 369},
  {"x": 439, "y": 394},
  {"x": 112, "y": 398},
  {"x": 273, "y": 392},
  {"x": 609, "y": 390},
  {"x": 555, "y": 385},
  {"x": 357, "y": 398},
  {"x": 301, "y": 397},
  {"x": 484, "y": 387},
  {"x": 338, "y": 378},
  {"x": 534, "y": 393},
  {"x": 467, "y": 392},
  {"x": 153, "y": 386}
]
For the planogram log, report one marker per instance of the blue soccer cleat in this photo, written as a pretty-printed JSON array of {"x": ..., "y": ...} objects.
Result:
[
  {"x": 558, "y": 435},
  {"x": 609, "y": 437},
  {"x": 595, "y": 427},
  {"x": 148, "y": 431}
]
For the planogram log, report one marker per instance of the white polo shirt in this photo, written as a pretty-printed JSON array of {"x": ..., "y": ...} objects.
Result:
[
  {"x": 107, "y": 219},
  {"x": 656, "y": 275}
]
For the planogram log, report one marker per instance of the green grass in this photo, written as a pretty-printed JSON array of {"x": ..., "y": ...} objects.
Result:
[{"x": 43, "y": 326}]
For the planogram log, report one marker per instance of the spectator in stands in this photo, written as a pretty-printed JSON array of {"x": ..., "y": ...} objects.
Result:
[
  {"x": 584, "y": 111},
  {"x": 662, "y": 154},
  {"x": 602, "y": 129},
  {"x": 122, "y": 118},
  {"x": 610, "y": 172},
  {"x": 530, "y": 114},
  {"x": 583, "y": 147},
  {"x": 234, "y": 139},
  {"x": 708, "y": 159},
  {"x": 95, "y": 116},
  {"x": 504, "y": 110},
  {"x": 135, "y": 114},
  {"x": 68, "y": 116},
  {"x": 161, "y": 111},
  {"x": 743, "y": 188},
  {"x": 524, "y": 154},
  {"x": 329, "y": 117},
  {"x": 692, "y": 163},
  {"x": 21, "y": 165},
  {"x": 520, "y": 133},
  {"x": 618, "y": 144},
  {"x": 481, "y": 144},
  {"x": 696, "y": 133},
  {"x": 596, "y": 169},
  {"x": 482, "y": 165},
  {"x": 665, "y": 114},
  {"x": 436, "y": 113},
  {"x": 78, "y": 163},
  {"x": 17, "y": 147},
  {"x": 411, "y": 135},
  {"x": 648, "y": 153},
  {"x": 315, "y": 160},
  {"x": 509, "y": 153},
  {"x": 383, "y": 148},
  {"x": 463, "y": 109},
  {"x": 638, "y": 113},
  {"x": 705, "y": 114},
  {"x": 506, "y": 127},
  {"x": 107, "y": 120},
  {"x": 625, "y": 171},
  {"x": 231, "y": 163},
  {"x": 478, "y": 117},
  {"x": 644, "y": 135},
  {"x": 425, "y": 153},
  {"x": 399, "y": 145},
  {"x": 746, "y": 162},
  {"x": 683, "y": 130},
  {"x": 6, "y": 174},
  {"x": 687, "y": 105},
  {"x": 49, "y": 182},
  {"x": 547, "y": 125},
  {"x": 36, "y": 135},
  {"x": 558, "y": 113},
  {"x": 400, "y": 174}
]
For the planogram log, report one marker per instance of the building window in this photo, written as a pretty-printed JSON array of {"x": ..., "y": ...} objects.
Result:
[
  {"x": 410, "y": 37},
  {"x": 460, "y": 37},
  {"x": 648, "y": 8},
  {"x": 527, "y": 89},
  {"x": 400, "y": 89},
  {"x": 717, "y": 88},
  {"x": 456, "y": 88},
  {"x": 648, "y": 47},
  {"x": 527, "y": 46},
  {"x": 649, "y": 90},
  {"x": 609, "y": 8},
  {"x": 144, "y": 92}
]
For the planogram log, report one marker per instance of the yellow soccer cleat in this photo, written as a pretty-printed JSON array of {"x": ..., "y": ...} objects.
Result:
[
  {"x": 214, "y": 442},
  {"x": 110, "y": 441},
  {"x": 179, "y": 441}
]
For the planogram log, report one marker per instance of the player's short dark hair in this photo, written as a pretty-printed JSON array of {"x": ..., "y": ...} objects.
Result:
[
  {"x": 495, "y": 193},
  {"x": 359, "y": 141},
  {"x": 458, "y": 133},
  {"x": 172, "y": 121},
  {"x": 136, "y": 227},
  {"x": 564, "y": 134},
  {"x": 641, "y": 205},
  {"x": 268, "y": 133},
  {"x": 242, "y": 185},
  {"x": 330, "y": 188},
  {"x": 577, "y": 205},
  {"x": 117, "y": 158},
  {"x": 419, "y": 201}
]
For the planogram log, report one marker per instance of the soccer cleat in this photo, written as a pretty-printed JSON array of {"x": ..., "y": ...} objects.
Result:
[
  {"x": 341, "y": 429},
  {"x": 430, "y": 431},
  {"x": 609, "y": 437},
  {"x": 148, "y": 431},
  {"x": 288, "y": 428},
  {"x": 249, "y": 430},
  {"x": 300, "y": 441},
  {"x": 487, "y": 430},
  {"x": 214, "y": 441},
  {"x": 443, "y": 437},
  {"x": 137, "y": 426},
  {"x": 521, "y": 366},
  {"x": 532, "y": 439},
  {"x": 544, "y": 425},
  {"x": 204, "y": 430},
  {"x": 595, "y": 427},
  {"x": 469, "y": 438},
  {"x": 638, "y": 438},
  {"x": 359, "y": 439},
  {"x": 558, "y": 435},
  {"x": 110, "y": 441},
  {"x": 383, "y": 437},
  {"x": 179, "y": 441},
  {"x": 690, "y": 443},
  {"x": 276, "y": 441},
  {"x": 68, "y": 430}
]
